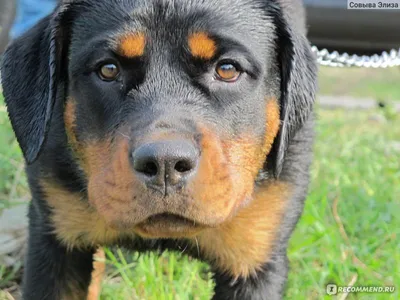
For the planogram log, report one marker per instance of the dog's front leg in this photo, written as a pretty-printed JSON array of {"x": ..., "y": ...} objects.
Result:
[
  {"x": 53, "y": 272},
  {"x": 267, "y": 284}
]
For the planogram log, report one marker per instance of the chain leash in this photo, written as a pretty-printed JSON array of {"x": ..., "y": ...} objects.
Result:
[{"x": 335, "y": 59}]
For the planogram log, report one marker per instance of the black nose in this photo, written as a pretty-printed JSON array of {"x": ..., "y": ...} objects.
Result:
[{"x": 165, "y": 163}]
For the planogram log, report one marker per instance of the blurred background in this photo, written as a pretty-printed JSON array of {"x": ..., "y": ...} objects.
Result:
[{"x": 349, "y": 232}]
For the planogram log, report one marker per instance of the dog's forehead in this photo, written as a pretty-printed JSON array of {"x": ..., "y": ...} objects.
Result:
[{"x": 241, "y": 20}]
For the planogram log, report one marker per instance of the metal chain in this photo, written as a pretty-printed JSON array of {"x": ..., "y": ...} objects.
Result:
[{"x": 335, "y": 59}]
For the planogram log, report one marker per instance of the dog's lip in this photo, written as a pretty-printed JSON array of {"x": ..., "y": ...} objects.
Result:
[
  {"x": 168, "y": 225},
  {"x": 169, "y": 218}
]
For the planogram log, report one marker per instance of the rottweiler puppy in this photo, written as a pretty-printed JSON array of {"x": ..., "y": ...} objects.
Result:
[{"x": 157, "y": 124}]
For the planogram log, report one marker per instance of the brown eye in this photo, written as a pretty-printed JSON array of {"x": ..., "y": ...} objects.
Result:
[
  {"x": 227, "y": 72},
  {"x": 109, "y": 72}
]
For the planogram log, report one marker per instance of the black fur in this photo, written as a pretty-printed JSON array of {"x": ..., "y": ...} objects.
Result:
[{"x": 55, "y": 60}]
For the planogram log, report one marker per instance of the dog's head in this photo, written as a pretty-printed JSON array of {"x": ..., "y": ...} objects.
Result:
[{"x": 172, "y": 109}]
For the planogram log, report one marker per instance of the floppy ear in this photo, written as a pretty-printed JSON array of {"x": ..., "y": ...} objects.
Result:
[
  {"x": 31, "y": 75},
  {"x": 298, "y": 74}
]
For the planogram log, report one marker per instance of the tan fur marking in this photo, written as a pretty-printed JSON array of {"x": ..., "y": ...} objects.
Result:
[
  {"x": 242, "y": 245},
  {"x": 202, "y": 46},
  {"x": 99, "y": 268},
  {"x": 224, "y": 182},
  {"x": 76, "y": 223},
  {"x": 112, "y": 184},
  {"x": 69, "y": 122},
  {"x": 132, "y": 45},
  {"x": 273, "y": 124},
  {"x": 212, "y": 188}
]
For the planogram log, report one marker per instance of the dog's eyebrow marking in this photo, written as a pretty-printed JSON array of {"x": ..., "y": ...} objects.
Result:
[
  {"x": 132, "y": 45},
  {"x": 202, "y": 46}
]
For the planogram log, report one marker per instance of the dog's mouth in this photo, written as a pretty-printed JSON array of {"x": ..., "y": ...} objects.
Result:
[{"x": 167, "y": 225}]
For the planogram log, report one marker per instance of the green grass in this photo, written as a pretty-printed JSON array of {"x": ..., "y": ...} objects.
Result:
[
  {"x": 355, "y": 168},
  {"x": 12, "y": 180},
  {"x": 169, "y": 277},
  {"x": 381, "y": 84}
]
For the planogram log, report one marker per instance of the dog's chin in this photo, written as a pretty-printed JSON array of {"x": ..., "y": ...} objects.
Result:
[{"x": 168, "y": 225}]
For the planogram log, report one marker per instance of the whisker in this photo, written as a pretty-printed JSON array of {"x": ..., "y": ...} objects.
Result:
[
  {"x": 124, "y": 135},
  {"x": 184, "y": 249},
  {"x": 197, "y": 245}
]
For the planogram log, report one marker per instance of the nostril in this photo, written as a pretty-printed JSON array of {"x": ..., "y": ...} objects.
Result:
[
  {"x": 148, "y": 167},
  {"x": 183, "y": 166}
]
